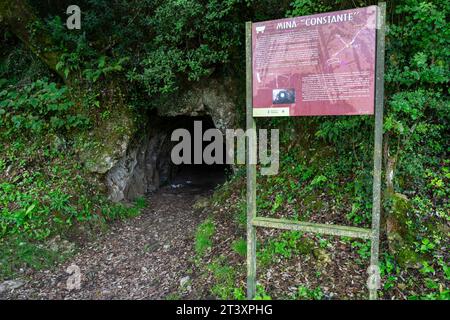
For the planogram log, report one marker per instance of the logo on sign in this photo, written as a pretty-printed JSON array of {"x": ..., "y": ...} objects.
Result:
[{"x": 260, "y": 29}]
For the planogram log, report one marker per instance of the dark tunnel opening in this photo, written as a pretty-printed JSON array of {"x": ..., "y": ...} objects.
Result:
[{"x": 204, "y": 176}]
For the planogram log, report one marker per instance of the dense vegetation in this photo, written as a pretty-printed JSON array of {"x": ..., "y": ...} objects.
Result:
[{"x": 59, "y": 89}]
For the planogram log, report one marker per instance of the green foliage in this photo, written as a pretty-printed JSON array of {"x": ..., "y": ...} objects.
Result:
[
  {"x": 307, "y": 7},
  {"x": 192, "y": 37},
  {"x": 37, "y": 108},
  {"x": 140, "y": 202},
  {"x": 18, "y": 64},
  {"x": 439, "y": 295},
  {"x": 104, "y": 68},
  {"x": 363, "y": 250},
  {"x": 224, "y": 280},
  {"x": 284, "y": 246},
  {"x": 390, "y": 270},
  {"x": 239, "y": 294},
  {"x": 261, "y": 293},
  {"x": 44, "y": 193},
  {"x": 16, "y": 253},
  {"x": 305, "y": 293},
  {"x": 203, "y": 236},
  {"x": 36, "y": 203},
  {"x": 240, "y": 247},
  {"x": 241, "y": 214},
  {"x": 160, "y": 45},
  {"x": 173, "y": 296}
]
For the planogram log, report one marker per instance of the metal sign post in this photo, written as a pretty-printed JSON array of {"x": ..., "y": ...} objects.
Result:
[
  {"x": 326, "y": 229},
  {"x": 378, "y": 146},
  {"x": 251, "y": 171}
]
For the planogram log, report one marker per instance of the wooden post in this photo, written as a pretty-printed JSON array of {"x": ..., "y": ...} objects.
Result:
[
  {"x": 251, "y": 170},
  {"x": 379, "y": 105}
]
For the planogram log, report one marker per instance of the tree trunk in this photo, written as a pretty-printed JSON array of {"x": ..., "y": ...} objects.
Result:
[{"x": 26, "y": 25}]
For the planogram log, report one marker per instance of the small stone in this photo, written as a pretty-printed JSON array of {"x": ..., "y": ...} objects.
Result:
[
  {"x": 184, "y": 281},
  {"x": 201, "y": 203},
  {"x": 10, "y": 285},
  {"x": 322, "y": 256},
  {"x": 106, "y": 293}
]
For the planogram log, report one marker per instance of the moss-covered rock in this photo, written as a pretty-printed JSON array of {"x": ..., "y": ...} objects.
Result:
[
  {"x": 105, "y": 145},
  {"x": 322, "y": 256},
  {"x": 115, "y": 127},
  {"x": 400, "y": 237}
]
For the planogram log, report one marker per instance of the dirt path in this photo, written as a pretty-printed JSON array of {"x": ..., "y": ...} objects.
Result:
[{"x": 141, "y": 258}]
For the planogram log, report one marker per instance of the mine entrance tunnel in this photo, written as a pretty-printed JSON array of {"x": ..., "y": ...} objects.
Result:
[
  {"x": 196, "y": 174},
  {"x": 148, "y": 165}
]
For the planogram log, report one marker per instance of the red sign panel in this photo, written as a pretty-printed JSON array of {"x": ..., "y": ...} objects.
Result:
[{"x": 322, "y": 64}]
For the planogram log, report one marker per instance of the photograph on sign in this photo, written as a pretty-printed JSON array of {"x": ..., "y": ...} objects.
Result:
[
  {"x": 283, "y": 96},
  {"x": 315, "y": 65}
]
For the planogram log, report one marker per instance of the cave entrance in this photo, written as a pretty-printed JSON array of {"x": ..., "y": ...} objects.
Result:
[
  {"x": 148, "y": 166},
  {"x": 204, "y": 176}
]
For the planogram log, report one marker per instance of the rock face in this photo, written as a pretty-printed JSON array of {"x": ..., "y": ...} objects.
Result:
[
  {"x": 106, "y": 144},
  {"x": 143, "y": 168},
  {"x": 215, "y": 98},
  {"x": 145, "y": 163}
]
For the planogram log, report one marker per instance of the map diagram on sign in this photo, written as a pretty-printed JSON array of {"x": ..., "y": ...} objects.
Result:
[
  {"x": 315, "y": 65},
  {"x": 346, "y": 46}
]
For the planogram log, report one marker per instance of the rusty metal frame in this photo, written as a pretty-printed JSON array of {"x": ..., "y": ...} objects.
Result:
[{"x": 253, "y": 221}]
